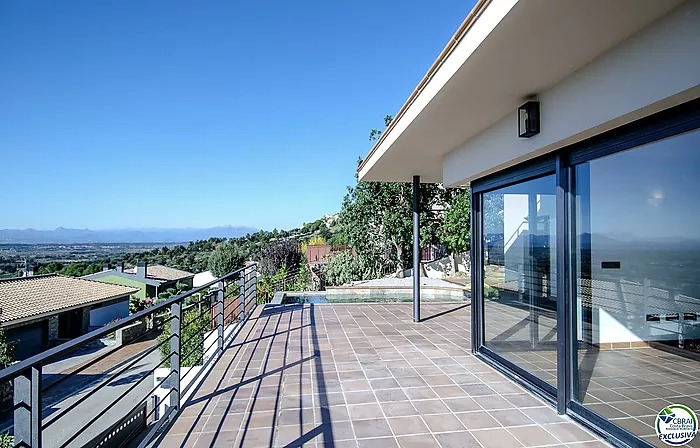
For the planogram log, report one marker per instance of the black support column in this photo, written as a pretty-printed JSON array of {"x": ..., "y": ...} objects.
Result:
[
  {"x": 533, "y": 282},
  {"x": 566, "y": 359},
  {"x": 416, "y": 250}
]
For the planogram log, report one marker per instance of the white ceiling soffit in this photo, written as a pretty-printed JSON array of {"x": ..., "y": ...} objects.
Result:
[{"x": 516, "y": 48}]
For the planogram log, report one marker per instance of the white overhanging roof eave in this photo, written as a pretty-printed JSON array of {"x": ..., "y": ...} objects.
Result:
[{"x": 505, "y": 51}]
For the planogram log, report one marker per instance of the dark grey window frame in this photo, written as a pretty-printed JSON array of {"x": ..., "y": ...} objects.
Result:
[{"x": 673, "y": 121}]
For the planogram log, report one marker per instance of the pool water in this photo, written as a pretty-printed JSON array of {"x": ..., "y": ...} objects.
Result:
[
  {"x": 288, "y": 299},
  {"x": 304, "y": 299}
]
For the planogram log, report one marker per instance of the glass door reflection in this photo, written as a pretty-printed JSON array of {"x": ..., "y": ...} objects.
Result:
[
  {"x": 637, "y": 304},
  {"x": 520, "y": 322}
]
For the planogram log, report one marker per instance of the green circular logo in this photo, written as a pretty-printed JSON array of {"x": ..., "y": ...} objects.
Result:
[{"x": 676, "y": 425}]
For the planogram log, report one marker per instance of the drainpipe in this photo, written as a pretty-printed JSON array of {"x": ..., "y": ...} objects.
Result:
[{"x": 416, "y": 250}]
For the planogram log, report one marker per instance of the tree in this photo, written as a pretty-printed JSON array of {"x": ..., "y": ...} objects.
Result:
[
  {"x": 317, "y": 240},
  {"x": 377, "y": 217},
  {"x": 227, "y": 257},
  {"x": 374, "y": 134},
  {"x": 278, "y": 254},
  {"x": 179, "y": 288},
  {"x": 137, "y": 304},
  {"x": 346, "y": 267},
  {"x": 7, "y": 357},
  {"x": 456, "y": 228},
  {"x": 7, "y": 351}
]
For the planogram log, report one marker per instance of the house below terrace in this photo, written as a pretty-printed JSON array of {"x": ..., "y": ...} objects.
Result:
[
  {"x": 45, "y": 310},
  {"x": 150, "y": 280}
]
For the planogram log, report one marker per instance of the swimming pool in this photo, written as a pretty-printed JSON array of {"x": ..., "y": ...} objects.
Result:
[{"x": 339, "y": 298}]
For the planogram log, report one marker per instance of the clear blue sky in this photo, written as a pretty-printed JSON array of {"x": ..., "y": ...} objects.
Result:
[{"x": 194, "y": 114}]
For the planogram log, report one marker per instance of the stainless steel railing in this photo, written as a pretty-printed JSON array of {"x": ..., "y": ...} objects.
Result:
[{"x": 189, "y": 332}]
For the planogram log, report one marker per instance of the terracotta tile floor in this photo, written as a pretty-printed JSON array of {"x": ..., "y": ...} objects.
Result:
[
  {"x": 364, "y": 375},
  {"x": 627, "y": 386}
]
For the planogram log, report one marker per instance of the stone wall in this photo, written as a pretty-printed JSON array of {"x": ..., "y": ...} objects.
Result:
[
  {"x": 86, "y": 319},
  {"x": 127, "y": 334},
  {"x": 53, "y": 328}
]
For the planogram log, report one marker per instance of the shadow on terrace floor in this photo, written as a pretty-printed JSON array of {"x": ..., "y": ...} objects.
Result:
[{"x": 361, "y": 375}]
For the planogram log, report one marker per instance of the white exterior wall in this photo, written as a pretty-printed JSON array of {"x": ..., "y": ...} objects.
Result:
[
  {"x": 656, "y": 68},
  {"x": 106, "y": 314}
]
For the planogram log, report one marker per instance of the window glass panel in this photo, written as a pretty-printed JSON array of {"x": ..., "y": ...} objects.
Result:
[
  {"x": 637, "y": 302},
  {"x": 519, "y": 256}
]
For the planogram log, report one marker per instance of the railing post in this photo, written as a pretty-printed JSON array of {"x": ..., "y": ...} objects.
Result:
[
  {"x": 255, "y": 283},
  {"x": 220, "y": 304},
  {"x": 242, "y": 293},
  {"x": 156, "y": 408},
  {"x": 27, "y": 408},
  {"x": 175, "y": 346}
]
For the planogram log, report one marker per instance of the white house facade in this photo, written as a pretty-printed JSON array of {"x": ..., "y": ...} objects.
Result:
[{"x": 576, "y": 125}]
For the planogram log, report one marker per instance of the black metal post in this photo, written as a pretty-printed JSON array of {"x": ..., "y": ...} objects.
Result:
[
  {"x": 156, "y": 407},
  {"x": 242, "y": 292},
  {"x": 220, "y": 317},
  {"x": 477, "y": 269},
  {"x": 175, "y": 347},
  {"x": 27, "y": 408},
  {"x": 564, "y": 302},
  {"x": 533, "y": 282},
  {"x": 416, "y": 250},
  {"x": 254, "y": 297}
]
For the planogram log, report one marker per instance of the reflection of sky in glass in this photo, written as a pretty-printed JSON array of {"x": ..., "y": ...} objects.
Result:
[
  {"x": 649, "y": 192},
  {"x": 510, "y": 204}
]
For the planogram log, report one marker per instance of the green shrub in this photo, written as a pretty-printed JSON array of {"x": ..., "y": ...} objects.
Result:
[
  {"x": 7, "y": 357},
  {"x": 7, "y": 351},
  {"x": 490, "y": 293},
  {"x": 7, "y": 441},
  {"x": 226, "y": 258},
  {"x": 346, "y": 267},
  {"x": 137, "y": 304},
  {"x": 195, "y": 326},
  {"x": 282, "y": 280}
]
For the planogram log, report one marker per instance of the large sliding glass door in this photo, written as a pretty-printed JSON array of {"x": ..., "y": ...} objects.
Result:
[
  {"x": 520, "y": 305},
  {"x": 587, "y": 274},
  {"x": 637, "y": 264}
]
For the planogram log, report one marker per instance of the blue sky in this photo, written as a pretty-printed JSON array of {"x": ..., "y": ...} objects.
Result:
[{"x": 194, "y": 114}]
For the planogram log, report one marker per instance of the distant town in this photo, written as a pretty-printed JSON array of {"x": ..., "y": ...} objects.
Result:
[{"x": 14, "y": 256}]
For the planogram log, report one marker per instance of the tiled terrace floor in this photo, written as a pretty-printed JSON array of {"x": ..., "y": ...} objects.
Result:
[
  {"x": 364, "y": 375},
  {"x": 627, "y": 386}
]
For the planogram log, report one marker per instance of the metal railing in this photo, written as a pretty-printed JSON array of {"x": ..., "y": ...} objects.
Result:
[
  {"x": 291, "y": 281},
  {"x": 114, "y": 410}
]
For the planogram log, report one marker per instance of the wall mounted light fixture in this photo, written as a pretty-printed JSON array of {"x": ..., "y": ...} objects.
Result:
[{"x": 529, "y": 119}]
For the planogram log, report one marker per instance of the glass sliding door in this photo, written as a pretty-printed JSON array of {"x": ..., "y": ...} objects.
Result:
[
  {"x": 519, "y": 290},
  {"x": 637, "y": 277},
  {"x": 622, "y": 210}
]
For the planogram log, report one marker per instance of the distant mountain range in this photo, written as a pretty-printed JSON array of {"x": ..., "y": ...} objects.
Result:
[{"x": 66, "y": 236}]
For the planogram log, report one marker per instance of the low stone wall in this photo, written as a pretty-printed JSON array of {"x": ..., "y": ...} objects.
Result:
[
  {"x": 442, "y": 268},
  {"x": 127, "y": 334}
]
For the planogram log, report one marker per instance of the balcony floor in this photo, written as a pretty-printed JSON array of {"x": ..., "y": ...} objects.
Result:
[{"x": 364, "y": 375}]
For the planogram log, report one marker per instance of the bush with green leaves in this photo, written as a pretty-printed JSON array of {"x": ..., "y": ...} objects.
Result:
[
  {"x": 456, "y": 229},
  {"x": 7, "y": 358},
  {"x": 179, "y": 288},
  {"x": 346, "y": 267},
  {"x": 195, "y": 326},
  {"x": 137, "y": 303},
  {"x": 7, "y": 351},
  {"x": 226, "y": 258},
  {"x": 283, "y": 280},
  {"x": 491, "y": 293},
  {"x": 6, "y": 440}
]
